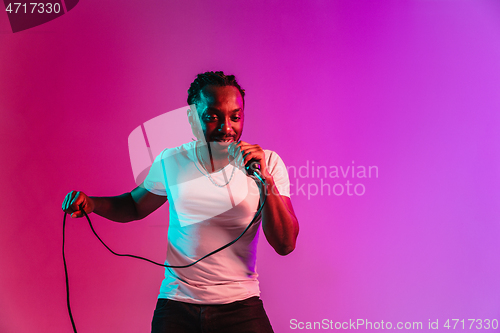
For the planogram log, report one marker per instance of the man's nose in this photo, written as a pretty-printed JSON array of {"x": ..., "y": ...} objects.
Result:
[{"x": 226, "y": 126}]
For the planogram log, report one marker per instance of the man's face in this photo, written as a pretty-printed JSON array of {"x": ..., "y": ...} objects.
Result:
[{"x": 221, "y": 114}]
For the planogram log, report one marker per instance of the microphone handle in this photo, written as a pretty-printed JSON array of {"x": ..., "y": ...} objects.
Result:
[
  {"x": 253, "y": 169},
  {"x": 252, "y": 166}
]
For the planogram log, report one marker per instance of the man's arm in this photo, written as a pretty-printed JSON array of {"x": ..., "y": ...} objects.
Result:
[
  {"x": 279, "y": 222},
  {"x": 131, "y": 206}
]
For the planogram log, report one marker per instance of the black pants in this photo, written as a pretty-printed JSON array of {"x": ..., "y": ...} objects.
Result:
[{"x": 247, "y": 316}]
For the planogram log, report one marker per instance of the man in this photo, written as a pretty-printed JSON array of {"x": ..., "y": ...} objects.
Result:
[{"x": 212, "y": 200}]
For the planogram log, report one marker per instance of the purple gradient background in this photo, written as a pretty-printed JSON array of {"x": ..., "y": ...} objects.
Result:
[{"x": 409, "y": 86}]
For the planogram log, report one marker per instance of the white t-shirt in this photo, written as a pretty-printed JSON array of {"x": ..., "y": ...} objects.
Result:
[{"x": 204, "y": 217}]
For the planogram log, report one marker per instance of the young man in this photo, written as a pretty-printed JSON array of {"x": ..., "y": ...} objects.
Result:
[{"x": 212, "y": 200}]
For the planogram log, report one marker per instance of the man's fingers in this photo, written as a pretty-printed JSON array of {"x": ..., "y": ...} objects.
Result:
[
  {"x": 75, "y": 202},
  {"x": 72, "y": 202},
  {"x": 253, "y": 152},
  {"x": 77, "y": 214},
  {"x": 65, "y": 202},
  {"x": 244, "y": 152},
  {"x": 71, "y": 198}
]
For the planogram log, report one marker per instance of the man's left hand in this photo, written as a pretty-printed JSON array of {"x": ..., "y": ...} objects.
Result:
[{"x": 243, "y": 152}]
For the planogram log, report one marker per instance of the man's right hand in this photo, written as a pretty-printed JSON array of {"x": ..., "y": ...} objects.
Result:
[{"x": 75, "y": 202}]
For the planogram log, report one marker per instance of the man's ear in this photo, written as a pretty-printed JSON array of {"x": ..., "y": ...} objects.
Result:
[
  {"x": 194, "y": 121},
  {"x": 192, "y": 112}
]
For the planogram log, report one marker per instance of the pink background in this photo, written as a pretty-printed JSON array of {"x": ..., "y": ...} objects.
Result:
[{"x": 411, "y": 87}]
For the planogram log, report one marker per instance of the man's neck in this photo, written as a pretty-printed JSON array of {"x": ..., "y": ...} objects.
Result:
[{"x": 213, "y": 157}]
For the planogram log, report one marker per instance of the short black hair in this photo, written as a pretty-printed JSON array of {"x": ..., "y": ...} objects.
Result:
[{"x": 217, "y": 79}]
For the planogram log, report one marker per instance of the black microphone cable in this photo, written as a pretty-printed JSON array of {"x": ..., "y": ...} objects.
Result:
[
  {"x": 255, "y": 218},
  {"x": 66, "y": 275}
]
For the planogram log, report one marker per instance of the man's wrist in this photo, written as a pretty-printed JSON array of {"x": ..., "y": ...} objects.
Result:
[
  {"x": 271, "y": 185},
  {"x": 268, "y": 178}
]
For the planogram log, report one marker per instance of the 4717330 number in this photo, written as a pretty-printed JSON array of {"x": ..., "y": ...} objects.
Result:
[
  {"x": 33, "y": 8},
  {"x": 472, "y": 323}
]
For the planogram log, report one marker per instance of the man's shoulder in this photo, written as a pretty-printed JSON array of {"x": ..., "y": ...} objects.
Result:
[
  {"x": 272, "y": 157},
  {"x": 271, "y": 153},
  {"x": 183, "y": 149}
]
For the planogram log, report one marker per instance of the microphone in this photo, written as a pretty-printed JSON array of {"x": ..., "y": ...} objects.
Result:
[{"x": 253, "y": 169}]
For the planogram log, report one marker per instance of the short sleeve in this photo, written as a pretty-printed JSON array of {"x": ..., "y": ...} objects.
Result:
[
  {"x": 278, "y": 170},
  {"x": 155, "y": 180}
]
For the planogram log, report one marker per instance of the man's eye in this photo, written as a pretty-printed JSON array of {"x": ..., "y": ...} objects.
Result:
[
  {"x": 210, "y": 118},
  {"x": 236, "y": 118}
]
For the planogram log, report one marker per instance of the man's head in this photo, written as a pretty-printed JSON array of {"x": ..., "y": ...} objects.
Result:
[
  {"x": 217, "y": 79},
  {"x": 219, "y": 102}
]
